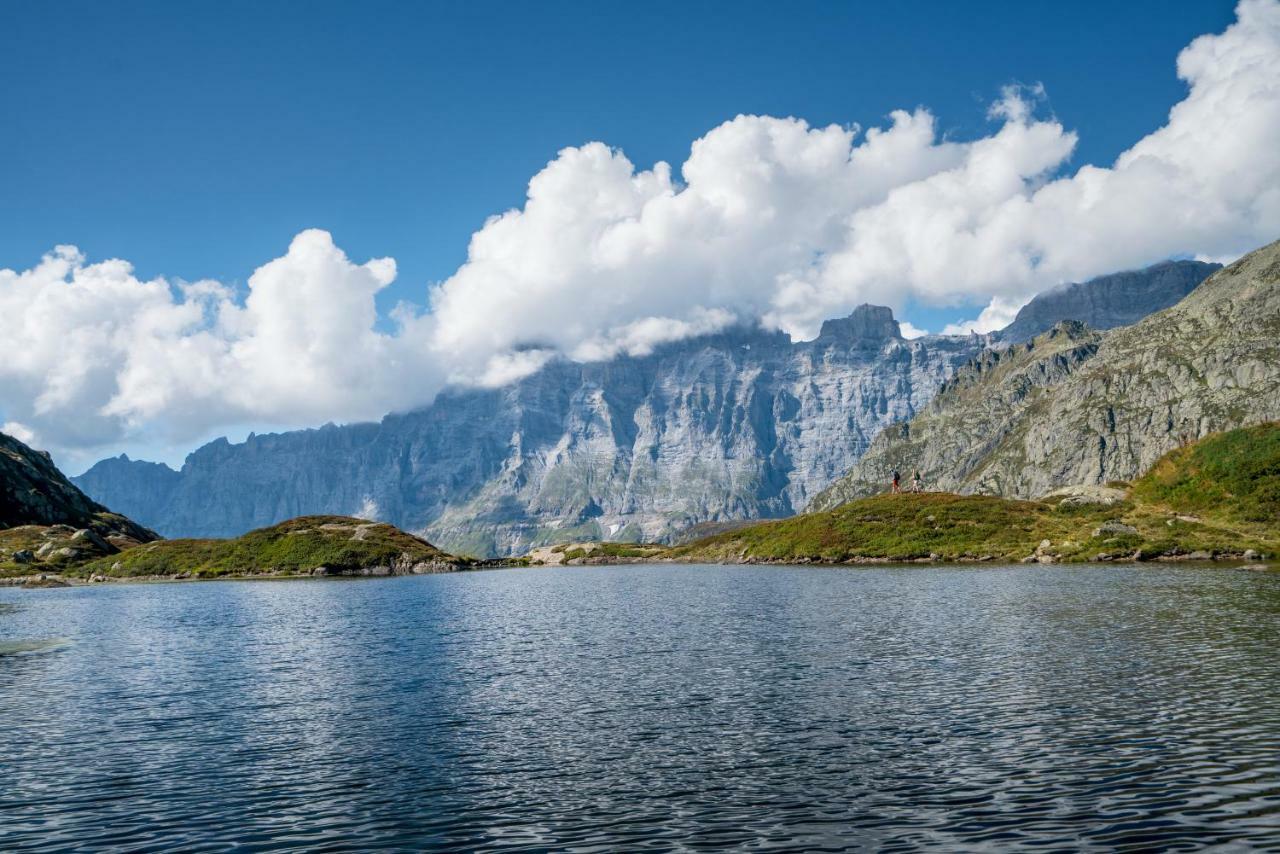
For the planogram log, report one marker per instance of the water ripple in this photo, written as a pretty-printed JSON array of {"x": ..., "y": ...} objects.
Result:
[{"x": 648, "y": 708}]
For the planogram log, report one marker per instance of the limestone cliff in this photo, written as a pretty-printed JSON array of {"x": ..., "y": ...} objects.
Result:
[{"x": 740, "y": 425}]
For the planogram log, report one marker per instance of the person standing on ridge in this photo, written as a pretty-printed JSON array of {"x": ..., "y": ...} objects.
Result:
[
  {"x": 896, "y": 479},
  {"x": 915, "y": 481}
]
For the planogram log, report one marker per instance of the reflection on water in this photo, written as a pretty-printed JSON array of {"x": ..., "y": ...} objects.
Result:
[
  {"x": 649, "y": 707},
  {"x": 28, "y": 646}
]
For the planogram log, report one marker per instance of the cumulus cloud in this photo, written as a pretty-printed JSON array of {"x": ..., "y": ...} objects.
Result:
[
  {"x": 789, "y": 224},
  {"x": 911, "y": 332},
  {"x": 769, "y": 221},
  {"x": 92, "y": 354}
]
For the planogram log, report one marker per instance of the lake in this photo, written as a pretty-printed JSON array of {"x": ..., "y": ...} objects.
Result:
[{"x": 647, "y": 707}]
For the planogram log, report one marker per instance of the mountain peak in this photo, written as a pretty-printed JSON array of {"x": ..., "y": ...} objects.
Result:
[{"x": 872, "y": 324}]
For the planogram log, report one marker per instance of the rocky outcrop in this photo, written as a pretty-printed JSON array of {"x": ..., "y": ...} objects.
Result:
[
  {"x": 33, "y": 492},
  {"x": 1119, "y": 299},
  {"x": 739, "y": 425},
  {"x": 1076, "y": 407},
  {"x": 46, "y": 522}
]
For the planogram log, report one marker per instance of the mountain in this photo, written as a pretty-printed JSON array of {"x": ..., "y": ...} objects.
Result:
[
  {"x": 741, "y": 424},
  {"x": 34, "y": 492},
  {"x": 1218, "y": 497},
  {"x": 1075, "y": 406},
  {"x": 46, "y": 520},
  {"x": 1119, "y": 299}
]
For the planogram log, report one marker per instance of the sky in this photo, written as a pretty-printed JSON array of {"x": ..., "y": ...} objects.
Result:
[{"x": 233, "y": 216}]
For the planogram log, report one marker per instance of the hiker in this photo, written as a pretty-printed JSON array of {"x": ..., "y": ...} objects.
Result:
[
  {"x": 896, "y": 488},
  {"x": 915, "y": 481}
]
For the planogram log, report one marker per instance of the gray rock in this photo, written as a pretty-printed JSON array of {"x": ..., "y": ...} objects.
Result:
[
  {"x": 1115, "y": 528},
  {"x": 742, "y": 424},
  {"x": 23, "y": 556},
  {"x": 34, "y": 492},
  {"x": 1250, "y": 554},
  {"x": 1109, "y": 301},
  {"x": 88, "y": 538},
  {"x": 1085, "y": 496},
  {"x": 1075, "y": 406}
]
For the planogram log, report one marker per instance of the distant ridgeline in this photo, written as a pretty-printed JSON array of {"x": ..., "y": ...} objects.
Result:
[{"x": 742, "y": 424}]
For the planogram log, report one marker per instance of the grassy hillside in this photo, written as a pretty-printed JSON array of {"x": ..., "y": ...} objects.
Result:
[
  {"x": 1234, "y": 476},
  {"x": 1220, "y": 496},
  {"x": 341, "y": 545}
]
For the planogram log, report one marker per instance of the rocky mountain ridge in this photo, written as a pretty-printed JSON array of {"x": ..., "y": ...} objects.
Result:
[
  {"x": 1075, "y": 406},
  {"x": 740, "y": 424},
  {"x": 744, "y": 424},
  {"x": 1106, "y": 302}
]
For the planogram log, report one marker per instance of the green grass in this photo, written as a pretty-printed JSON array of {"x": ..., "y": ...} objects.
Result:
[
  {"x": 294, "y": 547},
  {"x": 1234, "y": 476},
  {"x": 948, "y": 527}
]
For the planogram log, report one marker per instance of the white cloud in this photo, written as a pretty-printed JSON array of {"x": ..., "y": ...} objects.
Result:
[
  {"x": 909, "y": 332},
  {"x": 998, "y": 314},
  {"x": 92, "y": 354},
  {"x": 771, "y": 221}
]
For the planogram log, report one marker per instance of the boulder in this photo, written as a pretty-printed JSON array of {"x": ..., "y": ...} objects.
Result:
[
  {"x": 88, "y": 537},
  {"x": 1115, "y": 528},
  {"x": 23, "y": 556},
  {"x": 1085, "y": 496}
]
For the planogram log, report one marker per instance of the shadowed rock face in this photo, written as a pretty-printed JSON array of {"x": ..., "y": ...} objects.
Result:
[
  {"x": 1075, "y": 406},
  {"x": 739, "y": 425},
  {"x": 34, "y": 492},
  {"x": 1109, "y": 301}
]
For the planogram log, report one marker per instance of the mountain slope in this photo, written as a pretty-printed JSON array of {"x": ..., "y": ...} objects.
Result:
[
  {"x": 46, "y": 521},
  {"x": 1087, "y": 409},
  {"x": 742, "y": 424},
  {"x": 1229, "y": 481},
  {"x": 34, "y": 492},
  {"x": 1118, "y": 299}
]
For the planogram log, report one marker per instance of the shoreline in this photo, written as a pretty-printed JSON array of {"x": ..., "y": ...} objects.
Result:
[{"x": 49, "y": 580}]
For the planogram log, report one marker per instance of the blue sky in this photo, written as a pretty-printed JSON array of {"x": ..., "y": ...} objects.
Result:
[
  {"x": 947, "y": 159},
  {"x": 195, "y": 139}
]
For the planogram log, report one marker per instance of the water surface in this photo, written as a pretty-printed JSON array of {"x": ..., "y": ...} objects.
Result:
[{"x": 647, "y": 707}]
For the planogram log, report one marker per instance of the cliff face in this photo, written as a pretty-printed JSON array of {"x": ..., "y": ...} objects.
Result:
[
  {"x": 1078, "y": 407},
  {"x": 1106, "y": 302},
  {"x": 739, "y": 425}
]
